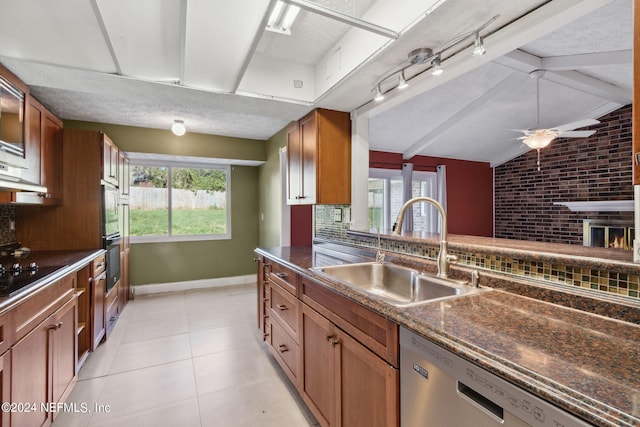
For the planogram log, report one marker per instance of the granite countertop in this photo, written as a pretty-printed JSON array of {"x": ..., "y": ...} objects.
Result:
[
  {"x": 586, "y": 364},
  {"x": 68, "y": 261}
]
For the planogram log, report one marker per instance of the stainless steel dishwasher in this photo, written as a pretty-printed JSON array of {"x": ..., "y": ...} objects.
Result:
[{"x": 440, "y": 389}]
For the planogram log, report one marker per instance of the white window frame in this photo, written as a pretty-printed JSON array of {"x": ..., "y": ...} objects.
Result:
[
  {"x": 430, "y": 178},
  {"x": 185, "y": 164}
]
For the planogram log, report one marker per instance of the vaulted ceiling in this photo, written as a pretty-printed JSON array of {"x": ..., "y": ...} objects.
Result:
[{"x": 213, "y": 65}]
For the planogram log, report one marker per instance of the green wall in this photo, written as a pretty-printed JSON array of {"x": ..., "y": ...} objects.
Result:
[
  {"x": 270, "y": 194},
  {"x": 178, "y": 261}
]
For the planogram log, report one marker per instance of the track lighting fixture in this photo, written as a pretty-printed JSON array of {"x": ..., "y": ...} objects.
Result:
[
  {"x": 436, "y": 67},
  {"x": 426, "y": 56},
  {"x": 178, "y": 128}
]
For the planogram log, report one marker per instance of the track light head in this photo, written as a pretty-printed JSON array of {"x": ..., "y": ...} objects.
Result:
[
  {"x": 379, "y": 95},
  {"x": 478, "y": 46},
  {"x": 436, "y": 67},
  {"x": 403, "y": 82}
]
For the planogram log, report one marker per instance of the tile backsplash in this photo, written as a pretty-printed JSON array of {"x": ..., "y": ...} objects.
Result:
[
  {"x": 7, "y": 222},
  {"x": 620, "y": 282}
]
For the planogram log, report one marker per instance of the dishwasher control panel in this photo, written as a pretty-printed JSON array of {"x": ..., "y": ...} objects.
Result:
[{"x": 498, "y": 398}]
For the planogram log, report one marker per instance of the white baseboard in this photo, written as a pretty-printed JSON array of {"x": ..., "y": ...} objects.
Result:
[{"x": 155, "y": 288}]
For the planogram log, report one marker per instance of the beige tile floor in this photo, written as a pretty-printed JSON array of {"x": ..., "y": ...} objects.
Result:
[{"x": 185, "y": 359}]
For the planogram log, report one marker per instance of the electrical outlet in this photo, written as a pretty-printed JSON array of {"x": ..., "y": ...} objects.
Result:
[{"x": 337, "y": 215}]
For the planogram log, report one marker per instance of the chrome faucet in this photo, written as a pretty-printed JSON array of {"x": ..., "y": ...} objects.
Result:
[{"x": 444, "y": 259}]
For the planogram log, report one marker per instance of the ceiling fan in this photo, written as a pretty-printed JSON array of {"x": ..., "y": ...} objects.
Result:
[{"x": 540, "y": 138}]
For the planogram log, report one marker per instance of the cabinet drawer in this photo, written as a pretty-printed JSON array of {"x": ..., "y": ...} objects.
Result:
[
  {"x": 285, "y": 308},
  {"x": 284, "y": 277},
  {"x": 29, "y": 313},
  {"x": 99, "y": 265},
  {"x": 285, "y": 350}
]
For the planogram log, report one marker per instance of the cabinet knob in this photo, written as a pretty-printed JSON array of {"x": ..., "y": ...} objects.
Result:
[
  {"x": 44, "y": 195},
  {"x": 328, "y": 337},
  {"x": 282, "y": 348},
  {"x": 281, "y": 275},
  {"x": 282, "y": 307},
  {"x": 335, "y": 342}
]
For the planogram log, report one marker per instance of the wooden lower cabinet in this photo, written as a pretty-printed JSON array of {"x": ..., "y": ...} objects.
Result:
[
  {"x": 340, "y": 356},
  {"x": 43, "y": 366},
  {"x": 321, "y": 385},
  {"x": 112, "y": 308},
  {"x": 5, "y": 383},
  {"x": 345, "y": 384},
  {"x": 98, "y": 308}
]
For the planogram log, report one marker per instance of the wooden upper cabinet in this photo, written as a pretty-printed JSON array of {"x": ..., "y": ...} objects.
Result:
[
  {"x": 43, "y": 154},
  {"x": 110, "y": 160},
  {"x": 123, "y": 174},
  {"x": 319, "y": 159}
]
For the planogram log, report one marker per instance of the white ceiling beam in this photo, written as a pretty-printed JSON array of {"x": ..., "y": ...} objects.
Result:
[
  {"x": 599, "y": 59},
  {"x": 183, "y": 39},
  {"x": 105, "y": 34},
  {"x": 543, "y": 20},
  {"x": 591, "y": 85},
  {"x": 254, "y": 46},
  {"x": 511, "y": 82},
  {"x": 526, "y": 63}
]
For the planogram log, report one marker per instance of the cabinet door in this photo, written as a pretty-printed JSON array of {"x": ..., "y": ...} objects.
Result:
[
  {"x": 320, "y": 360},
  {"x": 309, "y": 138},
  {"x": 294, "y": 164},
  {"x": 5, "y": 384},
  {"x": 30, "y": 373},
  {"x": 98, "y": 292},
  {"x": 43, "y": 156},
  {"x": 64, "y": 350},
  {"x": 51, "y": 159},
  {"x": 109, "y": 161},
  {"x": 369, "y": 387}
]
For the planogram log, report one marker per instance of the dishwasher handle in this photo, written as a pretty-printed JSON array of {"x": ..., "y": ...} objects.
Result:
[{"x": 480, "y": 401}]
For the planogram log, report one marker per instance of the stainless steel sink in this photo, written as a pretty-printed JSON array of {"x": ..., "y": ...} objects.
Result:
[{"x": 397, "y": 285}]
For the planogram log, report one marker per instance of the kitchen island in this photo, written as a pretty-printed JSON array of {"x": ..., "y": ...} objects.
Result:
[{"x": 585, "y": 363}]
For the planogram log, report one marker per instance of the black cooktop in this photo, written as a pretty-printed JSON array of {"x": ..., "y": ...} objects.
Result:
[{"x": 13, "y": 279}]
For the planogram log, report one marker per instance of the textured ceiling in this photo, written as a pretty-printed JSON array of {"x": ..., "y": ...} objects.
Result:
[{"x": 210, "y": 63}]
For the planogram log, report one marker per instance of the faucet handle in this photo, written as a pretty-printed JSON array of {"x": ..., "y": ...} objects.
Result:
[{"x": 475, "y": 278}]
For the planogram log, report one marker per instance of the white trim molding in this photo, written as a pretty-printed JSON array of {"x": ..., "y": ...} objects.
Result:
[
  {"x": 155, "y": 288},
  {"x": 599, "y": 206}
]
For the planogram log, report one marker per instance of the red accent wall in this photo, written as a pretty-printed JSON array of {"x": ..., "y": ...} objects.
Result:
[
  {"x": 469, "y": 189},
  {"x": 301, "y": 225}
]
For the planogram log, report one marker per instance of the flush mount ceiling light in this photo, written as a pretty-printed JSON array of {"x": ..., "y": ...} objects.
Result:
[
  {"x": 282, "y": 17},
  {"x": 427, "y": 56},
  {"x": 178, "y": 128}
]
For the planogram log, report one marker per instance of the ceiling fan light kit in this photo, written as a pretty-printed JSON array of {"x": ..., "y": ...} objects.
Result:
[
  {"x": 540, "y": 138},
  {"x": 425, "y": 55}
]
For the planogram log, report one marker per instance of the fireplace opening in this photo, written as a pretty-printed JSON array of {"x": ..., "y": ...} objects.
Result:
[{"x": 608, "y": 234}]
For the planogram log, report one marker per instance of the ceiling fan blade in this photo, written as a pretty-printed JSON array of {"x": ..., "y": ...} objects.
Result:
[
  {"x": 576, "y": 133},
  {"x": 576, "y": 125}
]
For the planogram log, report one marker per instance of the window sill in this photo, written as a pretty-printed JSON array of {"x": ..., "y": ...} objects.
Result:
[{"x": 168, "y": 239}]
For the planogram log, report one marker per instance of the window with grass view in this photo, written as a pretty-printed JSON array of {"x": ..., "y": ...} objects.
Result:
[{"x": 178, "y": 202}]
